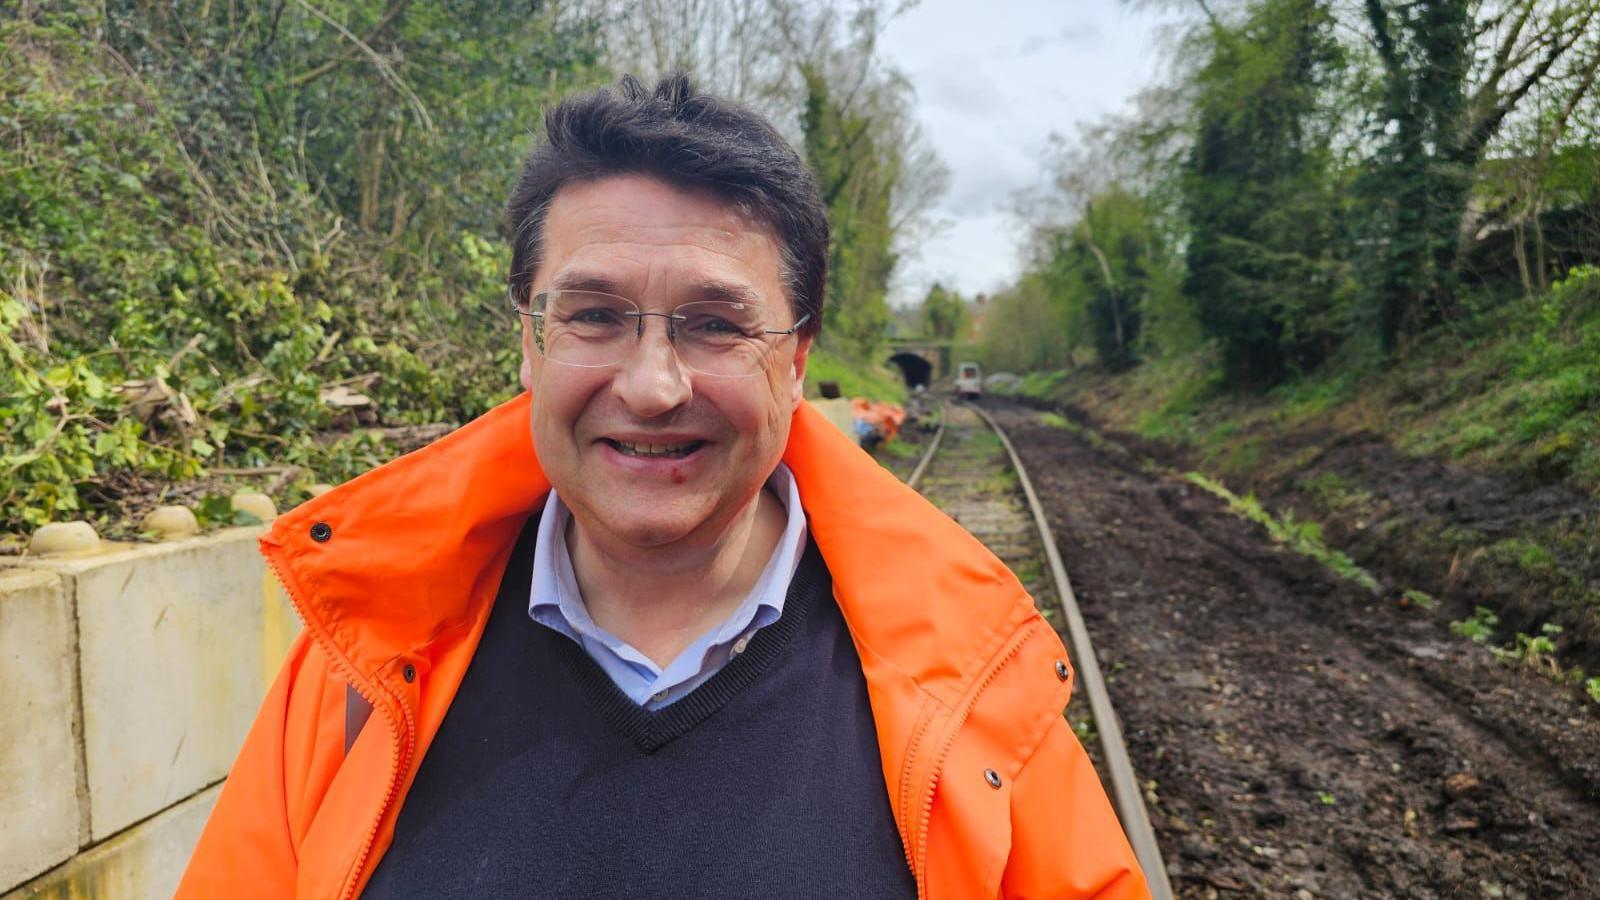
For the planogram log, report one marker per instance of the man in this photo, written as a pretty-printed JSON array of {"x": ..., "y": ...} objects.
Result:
[{"x": 687, "y": 641}]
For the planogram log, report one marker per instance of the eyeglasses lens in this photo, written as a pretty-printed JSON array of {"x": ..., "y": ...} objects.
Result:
[{"x": 713, "y": 337}]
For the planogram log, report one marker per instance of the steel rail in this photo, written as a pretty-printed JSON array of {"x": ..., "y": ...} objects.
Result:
[
  {"x": 1125, "y": 787},
  {"x": 927, "y": 457}
]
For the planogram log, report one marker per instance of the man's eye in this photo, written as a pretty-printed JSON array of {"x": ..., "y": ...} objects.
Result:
[
  {"x": 595, "y": 316},
  {"x": 714, "y": 326}
]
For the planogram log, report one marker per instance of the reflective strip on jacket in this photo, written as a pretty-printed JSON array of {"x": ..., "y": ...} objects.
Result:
[{"x": 395, "y": 573}]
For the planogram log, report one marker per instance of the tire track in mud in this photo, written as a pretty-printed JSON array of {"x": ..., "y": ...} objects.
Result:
[{"x": 1306, "y": 738}]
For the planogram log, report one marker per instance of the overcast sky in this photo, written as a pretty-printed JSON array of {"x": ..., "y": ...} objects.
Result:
[{"x": 994, "y": 78}]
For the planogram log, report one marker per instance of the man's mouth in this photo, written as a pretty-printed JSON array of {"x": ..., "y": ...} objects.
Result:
[{"x": 671, "y": 451}]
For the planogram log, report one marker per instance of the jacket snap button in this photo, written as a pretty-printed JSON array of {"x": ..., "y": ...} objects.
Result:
[
  {"x": 410, "y": 672},
  {"x": 321, "y": 531},
  {"x": 1061, "y": 669},
  {"x": 992, "y": 777}
]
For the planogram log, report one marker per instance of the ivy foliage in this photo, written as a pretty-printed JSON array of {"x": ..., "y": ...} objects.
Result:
[
  {"x": 212, "y": 216},
  {"x": 1326, "y": 181},
  {"x": 1263, "y": 272}
]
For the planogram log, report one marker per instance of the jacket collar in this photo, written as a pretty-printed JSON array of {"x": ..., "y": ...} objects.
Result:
[{"x": 415, "y": 548}]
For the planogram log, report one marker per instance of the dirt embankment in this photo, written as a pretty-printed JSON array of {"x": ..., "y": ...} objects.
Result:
[
  {"x": 1303, "y": 737},
  {"x": 1528, "y": 550}
]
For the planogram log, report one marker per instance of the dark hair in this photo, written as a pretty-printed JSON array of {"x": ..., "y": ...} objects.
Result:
[{"x": 690, "y": 140}]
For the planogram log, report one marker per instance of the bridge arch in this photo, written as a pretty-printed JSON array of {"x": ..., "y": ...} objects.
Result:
[{"x": 916, "y": 370}]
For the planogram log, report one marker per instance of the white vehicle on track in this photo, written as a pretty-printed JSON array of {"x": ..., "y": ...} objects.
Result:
[{"x": 969, "y": 381}]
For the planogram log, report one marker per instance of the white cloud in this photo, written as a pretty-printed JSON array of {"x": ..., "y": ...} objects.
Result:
[
  {"x": 993, "y": 81},
  {"x": 1071, "y": 35}
]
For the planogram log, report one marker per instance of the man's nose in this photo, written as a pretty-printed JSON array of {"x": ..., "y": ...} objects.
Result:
[{"x": 651, "y": 381}]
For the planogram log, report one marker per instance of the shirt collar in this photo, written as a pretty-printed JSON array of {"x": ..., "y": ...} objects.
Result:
[{"x": 555, "y": 600}]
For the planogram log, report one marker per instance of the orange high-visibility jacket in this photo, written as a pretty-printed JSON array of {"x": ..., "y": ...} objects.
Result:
[{"x": 395, "y": 572}]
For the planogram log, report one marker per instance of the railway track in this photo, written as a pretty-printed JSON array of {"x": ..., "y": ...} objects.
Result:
[{"x": 972, "y": 472}]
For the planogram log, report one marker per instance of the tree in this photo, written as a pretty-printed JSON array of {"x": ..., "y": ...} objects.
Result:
[
  {"x": 1023, "y": 330},
  {"x": 736, "y": 48},
  {"x": 1261, "y": 271},
  {"x": 1103, "y": 272},
  {"x": 813, "y": 68},
  {"x": 877, "y": 175},
  {"x": 944, "y": 314},
  {"x": 1453, "y": 74}
]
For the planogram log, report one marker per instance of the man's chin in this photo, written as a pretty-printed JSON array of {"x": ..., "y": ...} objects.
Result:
[{"x": 652, "y": 532}]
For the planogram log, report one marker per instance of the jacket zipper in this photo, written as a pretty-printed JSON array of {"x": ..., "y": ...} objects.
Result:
[
  {"x": 378, "y": 697},
  {"x": 924, "y": 807},
  {"x": 908, "y": 826}
]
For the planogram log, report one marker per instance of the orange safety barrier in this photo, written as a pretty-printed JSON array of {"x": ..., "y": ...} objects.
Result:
[{"x": 871, "y": 416}]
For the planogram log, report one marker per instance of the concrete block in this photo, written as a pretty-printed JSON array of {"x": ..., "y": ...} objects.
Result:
[
  {"x": 143, "y": 863},
  {"x": 280, "y": 625},
  {"x": 38, "y": 751},
  {"x": 175, "y": 654},
  {"x": 839, "y": 412}
]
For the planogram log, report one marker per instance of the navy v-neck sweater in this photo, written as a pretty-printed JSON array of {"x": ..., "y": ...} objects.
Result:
[{"x": 545, "y": 780}]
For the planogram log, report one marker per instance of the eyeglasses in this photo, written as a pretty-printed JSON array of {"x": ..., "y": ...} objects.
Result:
[{"x": 593, "y": 330}]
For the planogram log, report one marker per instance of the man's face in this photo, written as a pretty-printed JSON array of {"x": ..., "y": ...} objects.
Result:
[{"x": 639, "y": 238}]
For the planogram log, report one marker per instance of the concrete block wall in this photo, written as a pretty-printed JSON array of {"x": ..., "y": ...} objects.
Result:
[
  {"x": 38, "y": 775},
  {"x": 128, "y": 678}
]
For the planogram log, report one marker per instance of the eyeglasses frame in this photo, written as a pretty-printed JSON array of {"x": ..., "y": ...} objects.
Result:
[{"x": 639, "y": 316}]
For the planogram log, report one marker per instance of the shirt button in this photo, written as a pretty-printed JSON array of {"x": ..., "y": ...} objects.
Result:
[
  {"x": 658, "y": 696},
  {"x": 740, "y": 644}
]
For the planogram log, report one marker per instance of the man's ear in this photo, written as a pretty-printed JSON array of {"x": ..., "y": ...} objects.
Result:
[{"x": 798, "y": 374}]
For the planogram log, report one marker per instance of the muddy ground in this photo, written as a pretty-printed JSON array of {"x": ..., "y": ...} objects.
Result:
[
  {"x": 1425, "y": 523},
  {"x": 1525, "y": 544},
  {"x": 1303, "y": 736}
]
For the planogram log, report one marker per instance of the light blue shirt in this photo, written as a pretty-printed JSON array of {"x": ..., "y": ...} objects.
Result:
[{"x": 556, "y": 603}]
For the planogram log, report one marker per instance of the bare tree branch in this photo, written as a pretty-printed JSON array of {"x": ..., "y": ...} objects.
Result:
[
  {"x": 389, "y": 17},
  {"x": 378, "y": 62}
]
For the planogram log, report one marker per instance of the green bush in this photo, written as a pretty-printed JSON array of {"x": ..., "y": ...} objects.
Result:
[{"x": 179, "y": 281}]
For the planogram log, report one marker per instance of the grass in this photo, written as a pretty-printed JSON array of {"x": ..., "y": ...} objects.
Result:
[
  {"x": 1001, "y": 482},
  {"x": 899, "y": 450},
  {"x": 1300, "y": 536},
  {"x": 981, "y": 443},
  {"x": 1040, "y": 384},
  {"x": 1421, "y": 599},
  {"x": 1517, "y": 388},
  {"x": 1524, "y": 394},
  {"x": 1030, "y": 571},
  {"x": 1093, "y": 438},
  {"x": 855, "y": 379},
  {"x": 1332, "y": 493},
  {"x": 1532, "y": 558}
]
